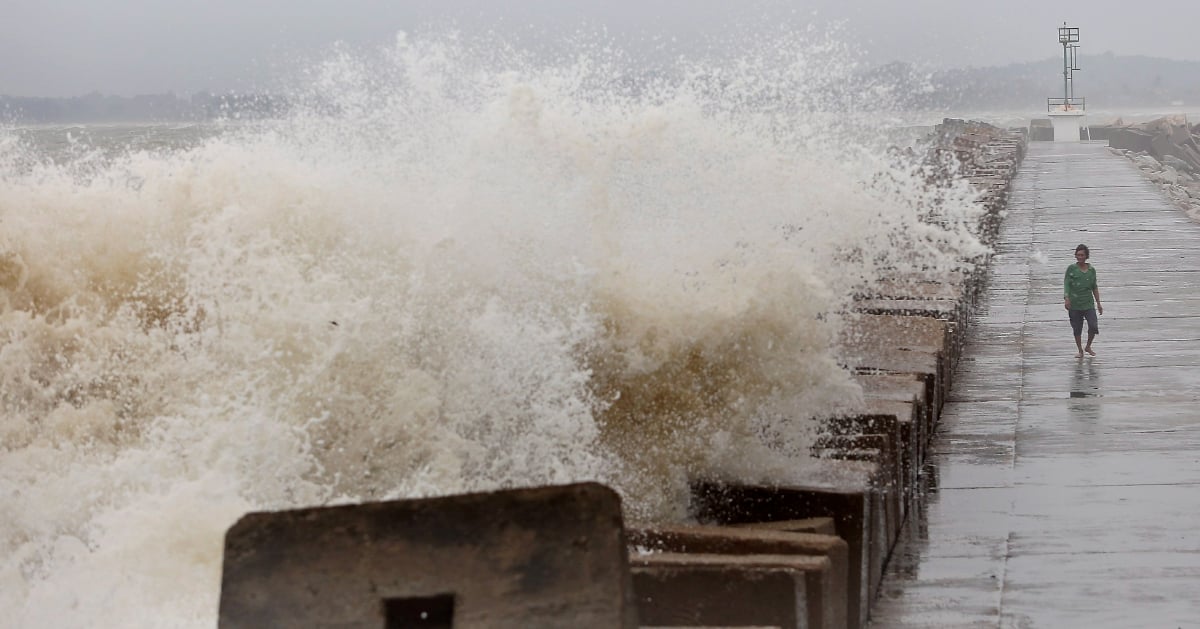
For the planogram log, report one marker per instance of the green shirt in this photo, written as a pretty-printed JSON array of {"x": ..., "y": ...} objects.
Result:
[{"x": 1078, "y": 286}]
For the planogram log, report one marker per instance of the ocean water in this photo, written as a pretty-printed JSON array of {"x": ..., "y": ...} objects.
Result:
[{"x": 456, "y": 267}]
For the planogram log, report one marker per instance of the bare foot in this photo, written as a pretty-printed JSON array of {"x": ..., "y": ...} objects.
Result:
[
  {"x": 1079, "y": 355},
  {"x": 1089, "y": 351}
]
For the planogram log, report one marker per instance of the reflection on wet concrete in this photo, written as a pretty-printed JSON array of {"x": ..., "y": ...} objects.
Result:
[
  {"x": 1086, "y": 380},
  {"x": 911, "y": 546},
  {"x": 1064, "y": 492},
  {"x": 1085, "y": 389}
]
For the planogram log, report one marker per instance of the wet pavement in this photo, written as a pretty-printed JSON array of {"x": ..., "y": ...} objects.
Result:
[{"x": 1065, "y": 492}]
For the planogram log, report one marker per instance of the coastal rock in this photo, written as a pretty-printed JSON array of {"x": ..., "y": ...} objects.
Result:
[
  {"x": 1177, "y": 193},
  {"x": 1178, "y": 179},
  {"x": 1177, "y": 164},
  {"x": 1169, "y": 175},
  {"x": 1168, "y": 140},
  {"x": 1147, "y": 162}
]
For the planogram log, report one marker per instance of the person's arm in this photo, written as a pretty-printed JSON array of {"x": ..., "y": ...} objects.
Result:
[
  {"x": 1096, "y": 294},
  {"x": 1067, "y": 289}
]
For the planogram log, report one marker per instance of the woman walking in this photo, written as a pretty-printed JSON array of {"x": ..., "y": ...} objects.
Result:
[{"x": 1081, "y": 298}]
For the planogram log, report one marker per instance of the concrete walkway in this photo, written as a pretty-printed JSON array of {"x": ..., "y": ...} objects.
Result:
[{"x": 1065, "y": 492}]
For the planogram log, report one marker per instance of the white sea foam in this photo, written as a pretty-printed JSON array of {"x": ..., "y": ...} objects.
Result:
[{"x": 453, "y": 269}]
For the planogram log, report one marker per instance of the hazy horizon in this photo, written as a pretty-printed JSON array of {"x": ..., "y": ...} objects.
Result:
[{"x": 136, "y": 47}]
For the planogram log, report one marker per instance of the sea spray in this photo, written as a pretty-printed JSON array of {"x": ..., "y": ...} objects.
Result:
[{"x": 452, "y": 267}]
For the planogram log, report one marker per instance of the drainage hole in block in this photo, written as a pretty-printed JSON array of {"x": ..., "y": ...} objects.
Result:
[{"x": 425, "y": 612}]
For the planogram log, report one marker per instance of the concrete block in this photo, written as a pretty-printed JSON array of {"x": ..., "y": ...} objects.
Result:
[
  {"x": 903, "y": 388},
  {"x": 540, "y": 557},
  {"x": 904, "y": 422},
  {"x": 900, "y": 428},
  {"x": 885, "y": 504},
  {"x": 1162, "y": 145},
  {"x": 819, "y": 526},
  {"x": 1103, "y": 132},
  {"x": 882, "y": 450},
  {"x": 1040, "y": 130},
  {"x": 913, "y": 288},
  {"x": 845, "y": 492},
  {"x": 948, "y": 309},
  {"x": 1129, "y": 139},
  {"x": 946, "y": 298},
  {"x": 826, "y": 607},
  {"x": 867, "y": 338},
  {"x": 905, "y": 332},
  {"x": 675, "y": 589},
  {"x": 923, "y": 366},
  {"x": 1179, "y": 134},
  {"x": 1191, "y": 155}
]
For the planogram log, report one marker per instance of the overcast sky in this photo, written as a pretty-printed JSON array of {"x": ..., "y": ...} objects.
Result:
[{"x": 67, "y": 48}]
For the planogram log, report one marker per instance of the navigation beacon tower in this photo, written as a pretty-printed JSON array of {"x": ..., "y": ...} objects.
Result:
[{"x": 1067, "y": 113}]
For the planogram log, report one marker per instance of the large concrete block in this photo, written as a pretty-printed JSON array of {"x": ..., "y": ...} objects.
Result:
[
  {"x": 819, "y": 526},
  {"x": 1040, "y": 130},
  {"x": 893, "y": 419},
  {"x": 1131, "y": 140},
  {"x": 826, "y": 596},
  {"x": 923, "y": 334},
  {"x": 907, "y": 388},
  {"x": 948, "y": 309},
  {"x": 932, "y": 338},
  {"x": 901, "y": 420},
  {"x": 845, "y": 493},
  {"x": 888, "y": 361},
  {"x": 541, "y": 557},
  {"x": 676, "y": 589},
  {"x": 1103, "y": 132},
  {"x": 917, "y": 287},
  {"x": 879, "y": 448}
]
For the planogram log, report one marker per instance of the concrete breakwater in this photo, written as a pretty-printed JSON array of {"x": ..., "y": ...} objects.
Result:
[
  {"x": 1063, "y": 488},
  {"x": 808, "y": 554}
]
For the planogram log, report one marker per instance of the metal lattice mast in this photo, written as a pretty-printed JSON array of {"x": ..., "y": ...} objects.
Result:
[{"x": 1069, "y": 38}]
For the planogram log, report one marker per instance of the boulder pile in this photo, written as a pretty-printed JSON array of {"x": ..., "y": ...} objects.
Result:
[{"x": 1167, "y": 150}]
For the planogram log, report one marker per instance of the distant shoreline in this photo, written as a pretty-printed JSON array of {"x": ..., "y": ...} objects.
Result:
[
  {"x": 1115, "y": 87},
  {"x": 96, "y": 108}
]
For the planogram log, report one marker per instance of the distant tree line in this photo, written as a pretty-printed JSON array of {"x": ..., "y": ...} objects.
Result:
[
  {"x": 1107, "y": 82},
  {"x": 169, "y": 107}
]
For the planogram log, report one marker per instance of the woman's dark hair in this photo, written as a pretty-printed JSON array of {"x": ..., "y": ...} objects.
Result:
[{"x": 1086, "y": 254}]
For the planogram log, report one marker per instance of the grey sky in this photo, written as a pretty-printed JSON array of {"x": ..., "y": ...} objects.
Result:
[{"x": 64, "y": 48}]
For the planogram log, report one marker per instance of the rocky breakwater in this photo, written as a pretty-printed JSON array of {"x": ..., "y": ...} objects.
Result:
[
  {"x": 1167, "y": 150},
  {"x": 807, "y": 553}
]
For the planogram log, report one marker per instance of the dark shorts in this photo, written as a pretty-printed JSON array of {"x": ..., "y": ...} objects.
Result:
[{"x": 1077, "y": 317}]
